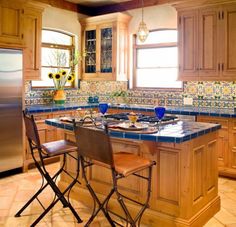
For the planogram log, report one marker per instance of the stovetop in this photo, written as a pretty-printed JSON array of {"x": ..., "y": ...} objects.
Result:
[{"x": 142, "y": 117}]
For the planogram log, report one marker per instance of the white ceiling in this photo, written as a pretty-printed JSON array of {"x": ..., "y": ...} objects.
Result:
[{"x": 96, "y": 2}]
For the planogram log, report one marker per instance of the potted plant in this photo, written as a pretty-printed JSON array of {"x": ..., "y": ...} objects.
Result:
[{"x": 59, "y": 79}]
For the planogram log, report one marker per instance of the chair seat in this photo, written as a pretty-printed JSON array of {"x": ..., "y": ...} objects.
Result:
[
  {"x": 58, "y": 147},
  {"x": 126, "y": 163}
]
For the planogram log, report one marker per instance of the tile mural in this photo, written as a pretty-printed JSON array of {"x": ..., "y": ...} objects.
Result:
[{"x": 205, "y": 94}]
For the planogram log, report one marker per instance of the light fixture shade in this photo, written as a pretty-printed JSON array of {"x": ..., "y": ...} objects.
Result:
[{"x": 142, "y": 31}]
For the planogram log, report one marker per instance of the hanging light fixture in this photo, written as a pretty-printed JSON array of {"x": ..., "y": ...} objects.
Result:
[{"x": 142, "y": 29}]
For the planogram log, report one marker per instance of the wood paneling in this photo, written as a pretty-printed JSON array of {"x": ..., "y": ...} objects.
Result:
[
  {"x": 32, "y": 52},
  {"x": 168, "y": 186},
  {"x": 11, "y": 23},
  {"x": 229, "y": 52},
  {"x": 198, "y": 173},
  {"x": 188, "y": 46}
]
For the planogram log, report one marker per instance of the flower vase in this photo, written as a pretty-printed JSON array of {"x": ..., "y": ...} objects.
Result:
[{"x": 59, "y": 97}]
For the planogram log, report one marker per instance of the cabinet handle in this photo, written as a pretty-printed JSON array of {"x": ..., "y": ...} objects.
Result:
[
  {"x": 218, "y": 66},
  {"x": 222, "y": 15},
  {"x": 222, "y": 66},
  {"x": 219, "y": 15}
]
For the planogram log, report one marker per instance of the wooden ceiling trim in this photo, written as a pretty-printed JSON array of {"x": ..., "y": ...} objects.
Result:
[
  {"x": 62, "y": 4},
  {"x": 133, "y": 4}
]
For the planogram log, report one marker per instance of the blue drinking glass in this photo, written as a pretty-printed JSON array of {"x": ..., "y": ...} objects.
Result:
[
  {"x": 103, "y": 108},
  {"x": 160, "y": 112}
]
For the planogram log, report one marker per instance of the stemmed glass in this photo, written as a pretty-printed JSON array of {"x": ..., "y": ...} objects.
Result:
[
  {"x": 103, "y": 109},
  {"x": 133, "y": 117},
  {"x": 160, "y": 112}
]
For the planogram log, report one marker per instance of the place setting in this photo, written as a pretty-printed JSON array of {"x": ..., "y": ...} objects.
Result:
[{"x": 135, "y": 126}]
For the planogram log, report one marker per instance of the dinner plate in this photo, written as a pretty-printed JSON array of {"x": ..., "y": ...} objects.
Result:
[
  {"x": 77, "y": 120},
  {"x": 137, "y": 127}
]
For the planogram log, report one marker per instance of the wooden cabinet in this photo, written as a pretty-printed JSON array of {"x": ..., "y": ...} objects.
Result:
[
  {"x": 21, "y": 27},
  {"x": 11, "y": 23},
  {"x": 226, "y": 144},
  {"x": 232, "y": 145},
  {"x": 223, "y": 141},
  {"x": 32, "y": 52},
  {"x": 105, "y": 40},
  {"x": 228, "y": 63},
  {"x": 207, "y": 48}
]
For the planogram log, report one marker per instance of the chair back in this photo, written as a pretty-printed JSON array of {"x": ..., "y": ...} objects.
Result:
[
  {"x": 94, "y": 144},
  {"x": 31, "y": 129}
]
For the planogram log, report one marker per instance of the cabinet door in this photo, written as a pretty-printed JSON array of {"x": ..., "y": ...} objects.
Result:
[
  {"x": 209, "y": 62},
  {"x": 188, "y": 48},
  {"x": 90, "y": 46},
  {"x": 232, "y": 144},
  {"x": 229, "y": 53},
  {"x": 32, "y": 53},
  {"x": 223, "y": 141},
  {"x": 11, "y": 24},
  {"x": 105, "y": 45}
]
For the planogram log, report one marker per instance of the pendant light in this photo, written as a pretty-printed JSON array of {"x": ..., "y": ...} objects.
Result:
[{"x": 142, "y": 29}]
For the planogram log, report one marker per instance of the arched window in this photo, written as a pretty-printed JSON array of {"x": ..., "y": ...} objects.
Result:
[
  {"x": 156, "y": 61},
  {"x": 57, "y": 54}
]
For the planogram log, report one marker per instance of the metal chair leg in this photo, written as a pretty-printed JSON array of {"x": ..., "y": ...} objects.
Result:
[
  {"x": 96, "y": 200},
  {"x": 37, "y": 193}
]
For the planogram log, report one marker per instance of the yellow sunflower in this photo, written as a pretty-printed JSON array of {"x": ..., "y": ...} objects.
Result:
[
  {"x": 63, "y": 72},
  {"x": 70, "y": 78},
  {"x": 57, "y": 76},
  {"x": 50, "y": 75}
]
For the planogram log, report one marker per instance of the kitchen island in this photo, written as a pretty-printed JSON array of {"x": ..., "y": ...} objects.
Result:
[{"x": 185, "y": 179}]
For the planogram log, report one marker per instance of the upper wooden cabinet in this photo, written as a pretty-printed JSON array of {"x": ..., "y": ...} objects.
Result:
[
  {"x": 11, "y": 23},
  {"x": 21, "y": 27},
  {"x": 32, "y": 52},
  {"x": 207, "y": 47},
  {"x": 105, "y": 40}
]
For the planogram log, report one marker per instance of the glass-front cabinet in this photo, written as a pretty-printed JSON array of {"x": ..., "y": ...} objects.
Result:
[{"x": 105, "y": 40}]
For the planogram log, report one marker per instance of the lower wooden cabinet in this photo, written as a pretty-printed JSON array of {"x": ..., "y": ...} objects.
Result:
[
  {"x": 226, "y": 143},
  {"x": 232, "y": 144}
]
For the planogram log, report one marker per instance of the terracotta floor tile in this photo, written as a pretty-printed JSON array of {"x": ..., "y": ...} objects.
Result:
[
  {"x": 213, "y": 223},
  {"x": 17, "y": 189}
]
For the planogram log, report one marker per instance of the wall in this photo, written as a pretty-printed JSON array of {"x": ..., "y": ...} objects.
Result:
[{"x": 213, "y": 94}]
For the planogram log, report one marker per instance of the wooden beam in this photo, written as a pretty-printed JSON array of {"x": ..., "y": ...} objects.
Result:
[
  {"x": 62, "y": 4},
  {"x": 133, "y": 4}
]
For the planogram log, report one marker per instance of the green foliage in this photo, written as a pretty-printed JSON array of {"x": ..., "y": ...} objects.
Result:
[{"x": 118, "y": 94}]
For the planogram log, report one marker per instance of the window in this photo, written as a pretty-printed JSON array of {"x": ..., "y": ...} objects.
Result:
[
  {"x": 57, "y": 54},
  {"x": 156, "y": 61}
]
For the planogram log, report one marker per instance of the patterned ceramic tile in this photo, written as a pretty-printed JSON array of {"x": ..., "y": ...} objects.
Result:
[{"x": 205, "y": 94}]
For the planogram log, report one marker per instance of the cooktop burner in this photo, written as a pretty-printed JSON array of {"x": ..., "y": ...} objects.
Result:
[{"x": 141, "y": 117}]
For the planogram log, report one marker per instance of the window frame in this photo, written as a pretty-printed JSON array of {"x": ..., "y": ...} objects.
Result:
[
  {"x": 147, "y": 46},
  {"x": 71, "y": 49}
]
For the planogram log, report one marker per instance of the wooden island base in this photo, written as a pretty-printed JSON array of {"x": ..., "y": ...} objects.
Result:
[{"x": 184, "y": 183}]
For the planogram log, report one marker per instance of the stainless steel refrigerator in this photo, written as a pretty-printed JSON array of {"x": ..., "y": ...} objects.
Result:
[{"x": 11, "y": 81}]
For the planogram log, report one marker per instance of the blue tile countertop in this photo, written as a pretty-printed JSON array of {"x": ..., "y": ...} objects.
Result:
[
  {"x": 173, "y": 110},
  {"x": 171, "y": 133}
]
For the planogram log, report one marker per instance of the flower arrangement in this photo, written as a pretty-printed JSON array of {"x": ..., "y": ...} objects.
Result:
[{"x": 60, "y": 78}]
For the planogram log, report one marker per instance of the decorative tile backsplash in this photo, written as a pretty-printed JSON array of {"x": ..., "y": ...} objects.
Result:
[{"x": 205, "y": 94}]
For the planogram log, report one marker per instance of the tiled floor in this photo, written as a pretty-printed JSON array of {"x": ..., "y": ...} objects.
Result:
[{"x": 15, "y": 191}]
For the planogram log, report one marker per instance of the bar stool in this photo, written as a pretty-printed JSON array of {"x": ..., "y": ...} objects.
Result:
[
  {"x": 40, "y": 152},
  {"x": 95, "y": 148}
]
